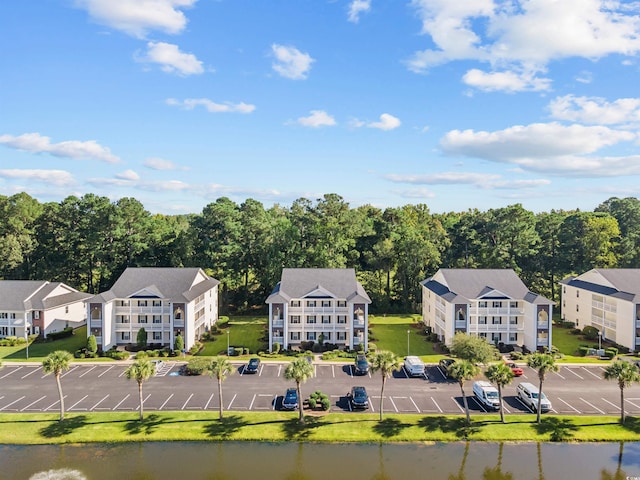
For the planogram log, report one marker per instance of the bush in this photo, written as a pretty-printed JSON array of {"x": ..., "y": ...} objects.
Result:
[
  {"x": 92, "y": 344},
  {"x": 590, "y": 333},
  {"x": 196, "y": 366},
  {"x": 582, "y": 351},
  {"x": 66, "y": 332},
  {"x": 516, "y": 355},
  {"x": 372, "y": 347},
  {"x": 178, "y": 343},
  {"x": 576, "y": 331},
  {"x": 115, "y": 354},
  {"x": 326, "y": 404},
  {"x": 318, "y": 398},
  {"x": 276, "y": 347},
  {"x": 196, "y": 348},
  {"x": 141, "y": 354}
]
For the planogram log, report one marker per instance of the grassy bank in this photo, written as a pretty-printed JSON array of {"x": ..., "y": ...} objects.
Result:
[{"x": 283, "y": 426}]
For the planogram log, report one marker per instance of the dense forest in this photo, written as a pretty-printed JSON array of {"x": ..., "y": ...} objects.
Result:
[{"x": 88, "y": 241}]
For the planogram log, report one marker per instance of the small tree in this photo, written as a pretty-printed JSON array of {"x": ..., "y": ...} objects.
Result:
[
  {"x": 220, "y": 368},
  {"x": 300, "y": 370},
  {"x": 462, "y": 371},
  {"x": 625, "y": 374},
  {"x": 141, "y": 370},
  {"x": 141, "y": 338},
  {"x": 178, "y": 343},
  {"x": 501, "y": 375},
  {"x": 472, "y": 348},
  {"x": 386, "y": 363},
  {"x": 56, "y": 363},
  {"x": 542, "y": 363},
  {"x": 92, "y": 344}
]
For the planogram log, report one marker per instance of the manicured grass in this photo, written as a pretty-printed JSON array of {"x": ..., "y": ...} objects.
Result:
[
  {"x": 107, "y": 427},
  {"x": 243, "y": 332},
  {"x": 569, "y": 344},
  {"x": 390, "y": 333},
  {"x": 40, "y": 349}
]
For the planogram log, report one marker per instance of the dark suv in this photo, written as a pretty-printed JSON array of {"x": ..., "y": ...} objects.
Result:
[
  {"x": 359, "y": 398},
  {"x": 362, "y": 365},
  {"x": 252, "y": 366}
]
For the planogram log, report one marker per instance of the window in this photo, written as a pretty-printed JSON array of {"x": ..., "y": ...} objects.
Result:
[
  {"x": 496, "y": 337},
  {"x": 326, "y": 318},
  {"x": 125, "y": 336},
  {"x": 177, "y": 313},
  {"x": 326, "y": 303},
  {"x": 123, "y": 303},
  {"x": 342, "y": 319},
  {"x": 295, "y": 303},
  {"x": 142, "y": 319},
  {"x": 4, "y": 331},
  {"x": 12, "y": 316},
  {"x": 142, "y": 303},
  {"x": 311, "y": 303},
  {"x": 513, "y": 304},
  {"x": 122, "y": 319},
  {"x": 513, "y": 337},
  {"x": 482, "y": 320},
  {"x": 497, "y": 304},
  {"x": 157, "y": 319},
  {"x": 311, "y": 319},
  {"x": 295, "y": 336},
  {"x": 482, "y": 304},
  {"x": 461, "y": 316},
  {"x": 295, "y": 319},
  {"x": 513, "y": 320},
  {"x": 482, "y": 335},
  {"x": 66, "y": 309},
  {"x": 36, "y": 315},
  {"x": 577, "y": 308},
  {"x": 327, "y": 336},
  {"x": 157, "y": 335},
  {"x": 157, "y": 303},
  {"x": 4, "y": 315},
  {"x": 311, "y": 336},
  {"x": 496, "y": 320},
  {"x": 341, "y": 303},
  {"x": 577, "y": 293},
  {"x": 341, "y": 336}
]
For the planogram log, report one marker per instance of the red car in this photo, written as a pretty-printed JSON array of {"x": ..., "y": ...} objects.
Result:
[{"x": 517, "y": 371}]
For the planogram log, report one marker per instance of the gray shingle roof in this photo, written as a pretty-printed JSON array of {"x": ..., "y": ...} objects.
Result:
[
  {"x": 464, "y": 284},
  {"x": 25, "y": 295},
  {"x": 319, "y": 282},
  {"x": 177, "y": 284},
  {"x": 624, "y": 282}
]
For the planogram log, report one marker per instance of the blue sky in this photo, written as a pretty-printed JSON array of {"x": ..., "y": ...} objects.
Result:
[{"x": 470, "y": 104}]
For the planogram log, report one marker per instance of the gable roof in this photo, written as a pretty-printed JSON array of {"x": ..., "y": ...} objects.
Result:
[
  {"x": 316, "y": 282},
  {"x": 621, "y": 283},
  {"x": 25, "y": 295},
  {"x": 177, "y": 284},
  {"x": 466, "y": 284}
]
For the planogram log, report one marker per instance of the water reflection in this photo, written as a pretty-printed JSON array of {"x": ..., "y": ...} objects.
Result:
[{"x": 309, "y": 461}]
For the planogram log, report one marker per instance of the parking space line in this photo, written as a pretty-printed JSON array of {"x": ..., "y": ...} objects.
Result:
[
  {"x": 441, "y": 372},
  {"x": 279, "y": 369},
  {"x": 591, "y": 373},
  {"x": 75, "y": 367},
  {"x": 242, "y": 370},
  {"x": 33, "y": 403},
  {"x": 436, "y": 404},
  {"x": 414, "y": 404},
  {"x": 525, "y": 405},
  {"x": 394, "y": 404},
  {"x": 574, "y": 409},
  {"x": 185, "y": 403},
  {"x": 143, "y": 400},
  {"x": 252, "y": 400},
  {"x": 611, "y": 403},
  {"x": 166, "y": 401},
  {"x": 457, "y": 404},
  {"x": 31, "y": 373},
  {"x": 79, "y": 401},
  {"x": 54, "y": 403},
  {"x": 8, "y": 405},
  {"x": 404, "y": 370},
  {"x": 333, "y": 371},
  {"x": 106, "y": 371},
  {"x": 351, "y": 370},
  {"x": 10, "y": 372},
  {"x": 504, "y": 407},
  {"x": 87, "y": 371},
  {"x": 569, "y": 370},
  {"x": 230, "y": 403},
  {"x": 477, "y": 403},
  {"x": 260, "y": 372},
  {"x": 96, "y": 405},
  {"x": 273, "y": 402},
  {"x": 560, "y": 375},
  {"x": 211, "y": 398},
  {"x": 121, "y": 401},
  {"x": 592, "y": 406},
  {"x": 122, "y": 374},
  {"x": 629, "y": 400}
]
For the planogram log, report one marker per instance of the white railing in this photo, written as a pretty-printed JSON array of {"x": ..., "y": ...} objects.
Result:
[
  {"x": 277, "y": 322},
  {"x": 280, "y": 340},
  {"x": 544, "y": 325},
  {"x": 461, "y": 324},
  {"x": 491, "y": 327},
  {"x": 142, "y": 310},
  {"x": 543, "y": 341},
  {"x": 358, "y": 323},
  {"x": 95, "y": 323},
  {"x": 317, "y": 310},
  {"x": 495, "y": 311}
]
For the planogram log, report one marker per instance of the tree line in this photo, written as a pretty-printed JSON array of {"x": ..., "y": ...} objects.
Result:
[{"x": 88, "y": 241}]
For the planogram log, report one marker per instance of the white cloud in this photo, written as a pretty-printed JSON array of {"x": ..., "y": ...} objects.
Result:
[
  {"x": 524, "y": 35},
  {"x": 128, "y": 175},
  {"x": 172, "y": 60},
  {"x": 164, "y": 186},
  {"x": 596, "y": 110},
  {"x": 415, "y": 193},
  {"x": 481, "y": 180},
  {"x": 59, "y": 178},
  {"x": 211, "y": 106},
  {"x": 36, "y": 143},
  {"x": 386, "y": 122},
  {"x": 508, "y": 81},
  {"x": 357, "y": 7},
  {"x": 318, "y": 118},
  {"x": 137, "y": 17},
  {"x": 291, "y": 62},
  {"x": 155, "y": 163}
]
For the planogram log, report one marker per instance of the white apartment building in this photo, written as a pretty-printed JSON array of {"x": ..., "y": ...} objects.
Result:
[
  {"x": 607, "y": 299},
  {"x": 310, "y": 304},
  {"x": 40, "y": 307},
  {"x": 491, "y": 303},
  {"x": 166, "y": 302}
]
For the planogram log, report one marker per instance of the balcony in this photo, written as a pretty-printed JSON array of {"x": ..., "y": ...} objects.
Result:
[
  {"x": 277, "y": 322},
  {"x": 543, "y": 325},
  {"x": 317, "y": 310},
  {"x": 280, "y": 340},
  {"x": 358, "y": 322},
  {"x": 95, "y": 323},
  {"x": 487, "y": 311},
  {"x": 461, "y": 324},
  {"x": 637, "y": 341},
  {"x": 166, "y": 310},
  {"x": 543, "y": 341},
  {"x": 178, "y": 323}
]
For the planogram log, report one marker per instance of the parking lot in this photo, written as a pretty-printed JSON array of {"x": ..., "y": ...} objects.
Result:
[{"x": 574, "y": 390}]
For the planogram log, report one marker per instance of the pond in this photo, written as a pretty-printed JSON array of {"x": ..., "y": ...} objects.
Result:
[{"x": 306, "y": 461}]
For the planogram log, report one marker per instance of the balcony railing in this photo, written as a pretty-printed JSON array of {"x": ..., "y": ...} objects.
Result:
[
  {"x": 543, "y": 325},
  {"x": 143, "y": 310},
  {"x": 280, "y": 340},
  {"x": 543, "y": 341},
  {"x": 277, "y": 322},
  {"x": 461, "y": 324},
  {"x": 318, "y": 310},
  {"x": 496, "y": 311},
  {"x": 358, "y": 323},
  {"x": 495, "y": 327},
  {"x": 95, "y": 323}
]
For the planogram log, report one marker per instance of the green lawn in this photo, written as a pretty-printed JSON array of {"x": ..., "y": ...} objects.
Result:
[
  {"x": 390, "y": 333},
  {"x": 40, "y": 349},
  {"x": 568, "y": 344},
  {"x": 243, "y": 332},
  {"x": 108, "y": 427}
]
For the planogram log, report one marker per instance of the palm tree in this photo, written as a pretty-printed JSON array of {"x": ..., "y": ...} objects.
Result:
[
  {"x": 386, "y": 363},
  {"x": 56, "y": 363},
  {"x": 220, "y": 368},
  {"x": 501, "y": 375},
  {"x": 542, "y": 363},
  {"x": 626, "y": 374},
  {"x": 141, "y": 370},
  {"x": 300, "y": 370},
  {"x": 462, "y": 371}
]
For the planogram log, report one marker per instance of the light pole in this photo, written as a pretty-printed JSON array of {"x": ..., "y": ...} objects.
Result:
[
  {"x": 228, "y": 331},
  {"x": 26, "y": 334},
  {"x": 408, "y": 332},
  {"x": 599, "y": 340}
]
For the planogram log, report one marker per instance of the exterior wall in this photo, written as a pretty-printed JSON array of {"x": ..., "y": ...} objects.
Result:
[
  {"x": 56, "y": 319},
  {"x": 12, "y": 324}
]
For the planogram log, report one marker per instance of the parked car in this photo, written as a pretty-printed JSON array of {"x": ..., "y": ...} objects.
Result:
[
  {"x": 362, "y": 364},
  {"x": 359, "y": 398},
  {"x": 414, "y": 366},
  {"x": 252, "y": 366},
  {"x": 515, "y": 369},
  {"x": 444, "y": 365},
  {"x": 529, "y": 395},
  {"x": 486, "y": 394},
  {"x": 290, "y": 400}
]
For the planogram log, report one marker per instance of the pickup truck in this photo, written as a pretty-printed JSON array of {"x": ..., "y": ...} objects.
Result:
[{"x": 414, "y": 366}]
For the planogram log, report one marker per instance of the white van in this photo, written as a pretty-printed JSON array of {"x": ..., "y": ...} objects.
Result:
[
  {"x": 414, "y": 366},
  {"x": 486, "y": 394},
  {"x": 528, "y": 393}
]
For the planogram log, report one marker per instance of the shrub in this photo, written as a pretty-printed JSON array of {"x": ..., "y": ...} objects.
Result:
[
  {"x": 178, "y": 343},
  {"x": 115, "y": 354},
  {"x": 312, "y": 402},
  {"x": 141, "y": 354},
  {"x": 196, "y": 366},
  {"x": 196, "y": 348},
  {"x": 516, "y": 355},
  {"x": 276, "y": 347},
  {"x": 590, "y": 333},
  {"x": 576, "y": 331},
  {"x": 64, "y": 333},
  {"x": 326, "y": 403},
  {"x": 372, "y": 347},
  {"x": 92, "y": 344},
  {"x": 582, "y": 351}
]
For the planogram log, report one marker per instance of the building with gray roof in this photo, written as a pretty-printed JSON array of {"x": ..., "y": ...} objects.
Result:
[
  {"x": 40, "y": 307},
  {"x": 607, "y": 299},
  {"x": 325, "y": 305},
  {"x": 165, "y": 302},
  {"x": 491, "y": 303}
]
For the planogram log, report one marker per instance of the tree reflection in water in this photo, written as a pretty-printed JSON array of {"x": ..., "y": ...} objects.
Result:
[
  {"x": 461, "y": 475},
  {"x": 540, "y": 472},
  {"x": 619, "y": 473},
  {"x": 298, "y": 472},
  {"x": 496, "y": 472},
  {"x": 381, "y": 474}
]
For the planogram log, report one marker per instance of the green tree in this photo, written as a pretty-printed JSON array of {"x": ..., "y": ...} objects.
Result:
[
  {"x": 501, "y": 375},
  {"x": 56, "y": 363},
  {"x": 300, "y": 370},
  {"x": 462, "y": 371},
  {"x": 141, "y": 338},
  {"x": 92, "y": 344},
  {"x": 386, "y": 363},
  {"x": 178, "y": 343},
  {"x": 543, "y": 363},
  {"x": 473, "y": 348},
  {"x": 141, "y": 370},
  {"x": 626, "y": 374},
  {"x": 18, "y": 215},
  {"x": 220, "y": 368},
  {"x": 627, "y": 212}
]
